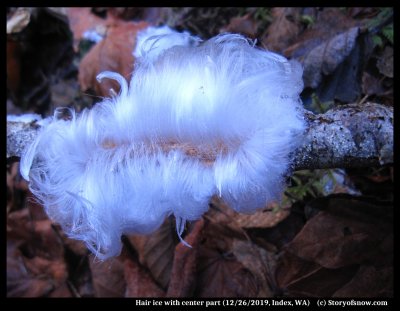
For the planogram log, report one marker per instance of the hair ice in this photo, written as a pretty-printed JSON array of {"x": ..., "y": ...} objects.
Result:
[{"x": 218, "y": 117}]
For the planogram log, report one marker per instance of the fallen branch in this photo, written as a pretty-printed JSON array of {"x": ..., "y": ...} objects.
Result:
[{"x": 347, "y": 136}]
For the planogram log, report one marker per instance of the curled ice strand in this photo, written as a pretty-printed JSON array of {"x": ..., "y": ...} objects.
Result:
[
  {"x": 27, "y": 159},
  {"x": 113, "y": 93},
  {"x": 117, "y": 77},
  {"x": 180, "y": 227}
]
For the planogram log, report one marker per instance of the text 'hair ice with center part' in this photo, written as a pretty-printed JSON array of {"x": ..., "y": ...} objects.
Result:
[{"x": 198, "y": 119}]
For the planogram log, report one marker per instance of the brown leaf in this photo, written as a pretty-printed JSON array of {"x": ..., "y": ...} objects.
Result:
[
  {"x": 371, "y": 85},
  {"x": 220, "y": 274},
  {"x": 107, "y": 277},
  {"x": 18, "y": 279},
  {"x": 369, "y": 282},
  {"x": 29, "y": 287},
  {"x": 259, "y": 262},
  {"x": 291, "y": 269},
  {"x": 156, "y": 251},
  {"x": 326, "y": 57},
  {"x": 328, "y": 23},
  {"x": 48, "y": 244},
  {"x": 81, "y": 20},
  {"x": 266, "y": 218},
  {"x": 283, "y": 29},
  {"x": 19, "y": 225},
  {"x": 245, "y": 25},
  {"x": 113, "y": 53},
  {"x": 223, "y": 276},
  {"x": 183, "y": 275},
  {"x": 284, "y": 231},
  {"x": 263, "y": 218},
  {"x": 36, "y": 265},
  {"x": 17, "y": 189},
  {"x": 363, "y": 12},
  {"x": 32, "y": 277},
  {"x": 62, "y": 291},
  {"x": 139, "y": 283},
  {"x": 13, "y": 64},
  {"x": 45, "y": 55},
  {"x": 298, "y": 277},
  {"x": 324, "y": 259},
  {"x": 333, "y": 53},
  {"x": 347, "y": 232},
  {"x": 55, "y": 270},
  {"x": 77, "y": 247},
  {"x": 153, "y": 15},
  {"x": 385, "y": 62}
]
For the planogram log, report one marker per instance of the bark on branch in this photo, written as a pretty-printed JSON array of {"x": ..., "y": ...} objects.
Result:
[{"x": 347, "y": 136}]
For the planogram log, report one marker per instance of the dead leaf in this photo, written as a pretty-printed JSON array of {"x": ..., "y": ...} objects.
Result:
[
  {"x": 17, "y": 188},
  {"x": 371, "y": 85},
  {"x": 385, "y": 62},
  {"x": 80, "y": 277},
  {"x": 29, "y": 288},
  {"x": 245, "y": 25},
  {"x": 333, "y": 54},
  {"x": 183, "y": 275},
  {"x": 284, "y": 231},
  {"x": 259, "y": 262},
  {"x": 107, "y": 277},
  {"x": 19, "y": 226},
  {"x": 284, "y": 28},
  {"x": 62, "y": 291},
  {"x": 152, "y": 15},
  {"x": 54, "y": 270},
  {"x": 113, "y": 53},
  {"x": 349, "y": 231},
  {"x": 365, "y": 180},
  {"x": 204, "y": 22},
  {"x": 66, "y": 91},
  {"x": 362, "y": 12},
  {"x": 297, "y": 277},
  {"x": 263, "y": 218},
  {"x": 369, "y": 282},
  {"x": 326, "y": 57},
  {"x": 220, "y": 274},
  {"x": 290, "y": 269},
  {"x": 81, "y": 20},
  {"x": 32, "y": 277},
  {"x": 45, "y": 55},
  {"x": 13, "y": 64},
  {"x": 156, "y": 251},
  {"x": 340, "y": 250},
  {"x": 45, "y": 240},
  {"x": 36, "y": 265},
  {"x": 127, "y": 13},
  {"x": 139, "y": 283},
  {"x": 329, "y": 22}
]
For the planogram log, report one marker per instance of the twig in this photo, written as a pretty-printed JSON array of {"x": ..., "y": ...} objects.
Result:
[{"x": 353, "y": 135}]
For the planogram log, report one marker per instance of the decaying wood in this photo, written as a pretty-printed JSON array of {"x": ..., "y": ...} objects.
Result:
[{"x": 347, "y": 136}]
